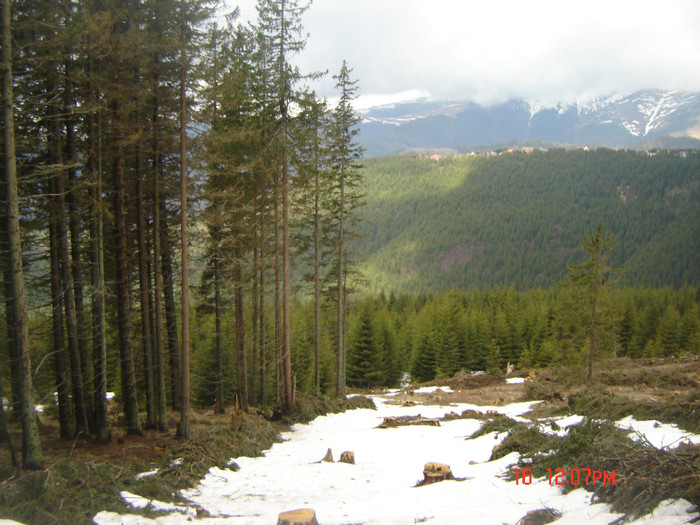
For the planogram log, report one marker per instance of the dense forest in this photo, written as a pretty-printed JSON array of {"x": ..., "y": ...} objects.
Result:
[
  {"x": 437, "y": 335},
  {"x": 161, "y": 165},
  {"x": 517, "y": 219}
]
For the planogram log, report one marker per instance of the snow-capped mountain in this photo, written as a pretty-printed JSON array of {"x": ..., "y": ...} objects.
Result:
[{"x": 638, "y": 119}]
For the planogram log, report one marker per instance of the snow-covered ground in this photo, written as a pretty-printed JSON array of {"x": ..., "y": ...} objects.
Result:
[{"x": 380, "y": 489}]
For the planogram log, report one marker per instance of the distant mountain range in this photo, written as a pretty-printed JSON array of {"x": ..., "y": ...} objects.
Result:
[{"x": 648, "y": 118}]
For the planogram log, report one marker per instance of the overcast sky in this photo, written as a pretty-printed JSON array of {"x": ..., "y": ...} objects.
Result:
[{"x": 491, "y": 50}]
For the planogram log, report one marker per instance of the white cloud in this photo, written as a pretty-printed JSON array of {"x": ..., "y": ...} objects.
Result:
[{"x": 494, "y": 49}]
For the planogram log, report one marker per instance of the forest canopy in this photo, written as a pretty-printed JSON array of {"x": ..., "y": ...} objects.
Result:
[{"x": 517, "y": 219}]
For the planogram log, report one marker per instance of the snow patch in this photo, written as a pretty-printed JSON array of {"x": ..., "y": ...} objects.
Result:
[
  {"x": 660, "y": 435},
  {"x": 380, "y": 488},
  {"x": 433, "y": 389}
]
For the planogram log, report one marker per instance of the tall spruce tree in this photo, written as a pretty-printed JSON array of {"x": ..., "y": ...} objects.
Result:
[
  {"x": 280, "y": 29},
  {"x": 346, "y": 175},
  {"x": 32, "y": 456},
  {"x": 313, "y": 189}
]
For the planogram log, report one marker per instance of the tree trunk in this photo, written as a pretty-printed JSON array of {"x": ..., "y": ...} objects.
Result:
[
  {"x": 261, "y": 310},
  {"x": 12, "y": 350},
  {"x": 79, "y": 404},
  {"x": 158, "y": 278},
  {"x": 257, "y": 351},
  {"x": 170, "y": 310},
  {"x": 317, "y": 283},
  {"x": 32, "y": 457},
  {"x": 219, "y": 344},
  {"x": 287, "y": 393},
  {"x": 73, "y": 205},
  {"x": 184, "y": 426},
  {"x": 240, "y": 335},
  {"x": 278, "y": 295},
  {"x": 99, "y": 348},
  {"x": 340, "y": 337},
  {"x": 62, "y": 390},
  {"x": 144, "y": 289},
  {"x": 78, "y": 291},
  {"x": 128, "y": 375}
]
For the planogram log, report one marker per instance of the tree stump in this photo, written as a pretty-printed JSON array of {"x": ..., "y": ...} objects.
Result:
[
  {"x": 328, "y": 458},
  {"x": 347, "y": 457},
  {"x": 297, "y": 517},
  {"x": 435, "y": 472}
]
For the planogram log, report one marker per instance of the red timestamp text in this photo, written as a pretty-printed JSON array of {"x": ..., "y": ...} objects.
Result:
[{"x": 573, "y": 477}]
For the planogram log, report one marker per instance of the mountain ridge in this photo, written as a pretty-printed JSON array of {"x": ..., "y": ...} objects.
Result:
[{"x": 641, "y": 119}]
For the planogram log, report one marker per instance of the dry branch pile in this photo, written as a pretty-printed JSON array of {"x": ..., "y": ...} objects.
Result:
[{"x": 646, "y": 476}]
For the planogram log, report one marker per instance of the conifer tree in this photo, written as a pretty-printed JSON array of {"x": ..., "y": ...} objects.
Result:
[
  {"x": 363, "y": 358},
  {"x": 592, "y": 277},
  {"x": 312, "y": 188},
  {"x": 32, "y": 456},
  {"x": 279, "y": 26},
  {"x": 346, "y": 174}
]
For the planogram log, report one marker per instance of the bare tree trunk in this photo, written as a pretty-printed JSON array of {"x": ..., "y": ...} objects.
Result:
[
  {"x": 81, "y": 424},
  {"x": 99, "y": 348},
  {"x": 257, "y": 351},
  {"x": 317, "y": 284},
  {"x": 240, "y": 335},
  {"x": 340, "y": 337},
  {"x": 184, "y": 426},
  {"x": 62, "y": 390},
  {"x": 78, "y": 291},
  {"x": 170, "y": 311},
  {"x": 158, "y": 278},
  {"x": 124, "y": 301},
  {"x": 72, "y": 204},
  {"x": 32, "y": 457},
  {"x": 144, "y": 289},
  {"x": 219, "y": 344},
  {"x": 11, "y": 325},
  {"x": 261, "y": 317},
  {"x": 287, "y": 393},
  {"x": 278, "y": 302}
]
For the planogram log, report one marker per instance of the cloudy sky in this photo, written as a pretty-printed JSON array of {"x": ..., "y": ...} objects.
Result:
[{"x": 491, "y": 50}]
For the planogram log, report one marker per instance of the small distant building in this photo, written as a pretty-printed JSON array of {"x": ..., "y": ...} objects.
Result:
[
  {"x": 527, "y": 149},
  {"x": 436, "y": 157}
]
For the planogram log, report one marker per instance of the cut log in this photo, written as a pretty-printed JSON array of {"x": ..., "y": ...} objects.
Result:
[
  {"x": 402, "y": 421},
  {"x": 347, "y": 457},
  {"x": 297, "y": 517},
  {"x": 435, "y": 472}
]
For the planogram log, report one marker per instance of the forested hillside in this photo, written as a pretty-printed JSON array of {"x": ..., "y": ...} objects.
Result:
[{"x": 517, "y": 219}]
